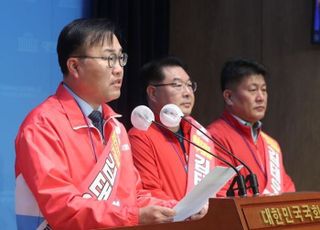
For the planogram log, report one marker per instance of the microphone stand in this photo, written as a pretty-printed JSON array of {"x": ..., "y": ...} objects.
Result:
[
  {"x": 239, "y": 179},
  {"x": 251, "y": 177}
]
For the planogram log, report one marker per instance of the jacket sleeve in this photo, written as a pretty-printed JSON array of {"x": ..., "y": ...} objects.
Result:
[
  {"x": 288, "y": 185},
  {"x": 42, "y": 162},
  {"x": 145, "y": 197},
  {"x": 223, "y": 191},
  {"x": 223, "y": 155},
  {"x": 145, "y": 162}
]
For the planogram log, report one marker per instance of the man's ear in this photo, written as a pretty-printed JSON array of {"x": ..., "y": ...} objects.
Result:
[
  {"x": 151, "y": 92},
  {"x": 227, "y": 95},
  {"x": 73, "y": 67}
]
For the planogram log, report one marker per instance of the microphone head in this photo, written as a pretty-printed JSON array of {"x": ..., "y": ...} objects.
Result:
[
  {"x": 170, "y": 115},
  {"x": 142, "y": 117}
]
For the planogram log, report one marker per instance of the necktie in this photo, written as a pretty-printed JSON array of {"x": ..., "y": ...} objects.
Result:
[{"x": 97, "y": 121}]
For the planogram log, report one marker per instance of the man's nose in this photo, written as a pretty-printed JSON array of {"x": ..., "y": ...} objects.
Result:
[
  {"x": 261, "y": 95},
  {"x": 117, "y": 68}
]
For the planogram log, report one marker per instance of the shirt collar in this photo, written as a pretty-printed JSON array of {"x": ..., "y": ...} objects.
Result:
[
  {"x": 84, "y": 106},
  {"x": 254, "y": 127}
]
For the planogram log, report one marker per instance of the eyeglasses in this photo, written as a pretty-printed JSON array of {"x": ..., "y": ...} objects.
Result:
[
  {"x": 112, "y": 59},
  {"x": 178, "y": 85}
]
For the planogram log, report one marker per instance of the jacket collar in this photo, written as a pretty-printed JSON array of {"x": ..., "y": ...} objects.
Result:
[
  {"x": 73, "y": 112},
  {"x": 241, "y": 125}
]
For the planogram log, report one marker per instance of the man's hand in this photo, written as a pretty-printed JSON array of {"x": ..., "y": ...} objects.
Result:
[
  {"x": 200, "y": 214},
  {"x": 155, "y": 214}
]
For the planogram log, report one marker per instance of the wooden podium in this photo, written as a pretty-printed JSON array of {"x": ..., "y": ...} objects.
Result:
[{"x": 287, "y": 211}]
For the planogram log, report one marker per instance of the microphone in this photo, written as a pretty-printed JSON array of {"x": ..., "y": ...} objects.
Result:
[
  {"x": 171, "y": 114},
  {"x": 142, "y": 117}
]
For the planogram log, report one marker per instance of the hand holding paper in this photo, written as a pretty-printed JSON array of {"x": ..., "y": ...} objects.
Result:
[{"x": 207, "y": 188}]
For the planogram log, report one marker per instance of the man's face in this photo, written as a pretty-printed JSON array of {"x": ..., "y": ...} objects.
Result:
[
  {"x": 97, "y": 82},
  {"x": 248, "y": 99},
  {"x": 181, "y": 96}
]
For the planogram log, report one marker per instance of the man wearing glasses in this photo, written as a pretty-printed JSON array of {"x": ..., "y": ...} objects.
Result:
[
  {"x": 74, "y": 167},
  {"x": 169, "y": 166}
]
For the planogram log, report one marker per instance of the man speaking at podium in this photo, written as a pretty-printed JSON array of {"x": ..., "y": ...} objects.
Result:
[
  {"x": 169, "y": 166},
  {"x": 74, "y": 167},
  {"x": 244, "y": 90}
]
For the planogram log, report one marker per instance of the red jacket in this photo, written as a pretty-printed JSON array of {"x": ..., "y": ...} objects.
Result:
[
  {"x": 54, "y": 153},
  {"x": 161, "y": 162},
  {"x": 232, "y": 135}
]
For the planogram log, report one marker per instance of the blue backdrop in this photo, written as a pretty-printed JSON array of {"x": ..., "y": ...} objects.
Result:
[{"x": 29, "y": 73}]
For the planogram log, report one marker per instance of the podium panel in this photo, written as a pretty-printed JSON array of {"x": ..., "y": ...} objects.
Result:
[{"x": 286, "y": 211}]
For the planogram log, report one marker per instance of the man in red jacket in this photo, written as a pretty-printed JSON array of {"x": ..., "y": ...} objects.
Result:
[
  {"x": 74, "y": 167},
  {"x": 244, "y": 90},
  {"x": 169, "y": 166}
]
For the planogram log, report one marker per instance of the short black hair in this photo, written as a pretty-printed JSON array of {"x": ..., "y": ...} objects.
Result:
[
  {"x": 236, "y": 69},
  {"x": 152, "y": 72},
  {"x": 81, "y": 34}
]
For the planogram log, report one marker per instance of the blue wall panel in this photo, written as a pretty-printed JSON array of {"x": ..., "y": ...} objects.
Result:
[{"x": 29, "y": 73}]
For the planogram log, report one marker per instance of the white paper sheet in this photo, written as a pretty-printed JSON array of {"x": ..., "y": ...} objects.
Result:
[{"x": 199, "y": 195}]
